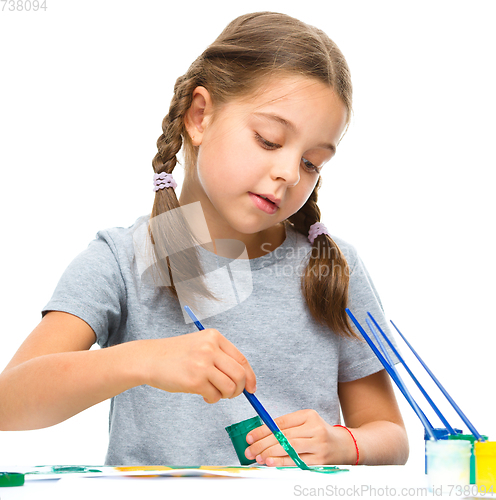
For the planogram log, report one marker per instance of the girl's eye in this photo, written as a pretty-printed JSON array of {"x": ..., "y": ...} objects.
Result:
[
  {"x": 266, "y": 144},
  {"x": 309, "y": 166}
]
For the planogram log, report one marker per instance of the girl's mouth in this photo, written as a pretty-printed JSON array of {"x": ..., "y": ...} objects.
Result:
[{"x": 264, "y": 204}]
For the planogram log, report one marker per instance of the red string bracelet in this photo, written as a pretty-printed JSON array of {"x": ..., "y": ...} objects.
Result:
[{"x": 354, "y": 440}]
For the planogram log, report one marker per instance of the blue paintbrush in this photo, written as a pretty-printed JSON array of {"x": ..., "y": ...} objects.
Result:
[
  {"x": 469, "y": 424},
  {"x": 262, "y": 412},
  {"x": 419, "y": 385},
  {"x": 394, "y": 375}
]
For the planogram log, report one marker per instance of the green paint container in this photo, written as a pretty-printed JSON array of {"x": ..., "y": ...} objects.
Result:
[
  {"x": 238, "y": 432},
  {"x": 11, "y": 479},
  {"x": 472, "y": 439}
]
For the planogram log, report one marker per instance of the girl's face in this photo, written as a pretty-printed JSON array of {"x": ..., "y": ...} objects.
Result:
[{"x": 272, "y": 145}]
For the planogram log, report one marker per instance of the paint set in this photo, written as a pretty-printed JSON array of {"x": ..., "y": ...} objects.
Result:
[{"x": 452, "y": 459}]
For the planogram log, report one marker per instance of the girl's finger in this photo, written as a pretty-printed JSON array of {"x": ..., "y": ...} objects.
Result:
[
  {"x": 296, "y": 418},
  {"x": 230, "y": 349},
  {"x": 223, "y": 384},
  {"x": 210, "y": 393},
  {"x": 277, "y": 452},
  {"x": 274, "y": 461},
  {"x": 292, "y": 425},
  {"x": 258, "y": 434},
  {"x": 269, "y": 446},
  {"x": 261, "y": 446},
  {"x": 234, "y": 371}
]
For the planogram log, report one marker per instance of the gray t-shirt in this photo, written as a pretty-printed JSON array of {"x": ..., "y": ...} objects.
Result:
[{"x": 298, "y": 362}]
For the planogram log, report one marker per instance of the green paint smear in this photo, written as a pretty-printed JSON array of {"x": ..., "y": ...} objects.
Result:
[
  {"x": 291, "y": 451},
  {"x": 330, "y": 469},
  {"x": 64, "y": 469},
  {"x": 298, "y": 461},
  {"x": 69, "y": 469}
]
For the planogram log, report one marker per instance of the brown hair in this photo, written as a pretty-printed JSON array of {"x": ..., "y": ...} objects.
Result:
[{"x": 249, "y": 50}]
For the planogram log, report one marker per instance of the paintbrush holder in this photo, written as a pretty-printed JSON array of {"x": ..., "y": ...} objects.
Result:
[
  {"x": 448, "y": 463},
  {"x": 238, "y": 432}
]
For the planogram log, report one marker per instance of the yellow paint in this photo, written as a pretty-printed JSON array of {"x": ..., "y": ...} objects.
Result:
[
  {"x": 141, "y": 468},
  {"x": 485, "y": 465},
  {"x": 226, "y": 469},
  {"x": 158, "y": 468}
]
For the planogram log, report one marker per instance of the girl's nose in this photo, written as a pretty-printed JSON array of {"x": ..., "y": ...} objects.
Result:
[{"x": 288, "y": 169}]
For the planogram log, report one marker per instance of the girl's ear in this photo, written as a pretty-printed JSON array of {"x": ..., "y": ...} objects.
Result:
[{"x": 198, "y": 115}]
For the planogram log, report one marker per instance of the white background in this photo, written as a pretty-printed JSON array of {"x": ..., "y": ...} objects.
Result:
[{"x": 85, "y": 86}]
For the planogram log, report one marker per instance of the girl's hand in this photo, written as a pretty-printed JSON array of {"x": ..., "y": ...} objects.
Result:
[
  {"x": 315, "y": 441},
  {"x": 204, "y": 363}
]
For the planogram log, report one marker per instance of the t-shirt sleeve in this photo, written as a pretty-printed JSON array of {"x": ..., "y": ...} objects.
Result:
[
  {"x": 356, "y": 358},
  {"x": 92, "y": 288}
]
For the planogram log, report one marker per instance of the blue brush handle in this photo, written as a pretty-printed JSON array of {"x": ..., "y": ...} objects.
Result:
[
  {"x": 194, "y": 318},
  {"x": 462, "y": 415},
  {"x": 262, "y": 412},
  {"x": 419, "y": 385},
  {"x": 395, "y": 377}
]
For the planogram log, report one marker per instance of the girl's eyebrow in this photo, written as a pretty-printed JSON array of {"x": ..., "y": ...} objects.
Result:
[
  {"x": 292, "y": 127},
  {"x": 279, "y": 119}
]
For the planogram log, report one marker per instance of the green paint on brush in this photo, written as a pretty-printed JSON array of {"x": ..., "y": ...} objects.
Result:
[
  {"x": 290, "y": 451},
  {"x": 298, "y": 461}
]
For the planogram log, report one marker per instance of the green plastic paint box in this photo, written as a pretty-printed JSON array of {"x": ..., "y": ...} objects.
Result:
[
  {"x": 11, "y": 479},
  {"x": 238, "y": 432}
]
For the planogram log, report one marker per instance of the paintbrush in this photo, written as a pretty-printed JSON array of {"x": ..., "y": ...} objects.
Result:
[
  {"x": 462, "y": 415},
  {"x": 262, "y": 412},
  {"x": 419, "y": 385},
  {"x": 396, "y": 378}
]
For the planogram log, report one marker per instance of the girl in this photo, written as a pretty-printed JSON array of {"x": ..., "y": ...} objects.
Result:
[{"x": 259, "y": 113}]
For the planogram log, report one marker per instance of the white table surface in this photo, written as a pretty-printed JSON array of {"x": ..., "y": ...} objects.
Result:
[{"x": 358, "y": 482}]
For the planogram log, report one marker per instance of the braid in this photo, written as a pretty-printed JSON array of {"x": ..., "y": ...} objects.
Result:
[
  {"x": 171, "y": 140},
  {"x": 324, "y": 283},
  {"x": 174, "y": 243}
]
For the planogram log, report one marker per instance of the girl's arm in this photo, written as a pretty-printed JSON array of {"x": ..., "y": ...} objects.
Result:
[
  {"x": 371, "y": 413},
  {"x": 54, "y": 375}
]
